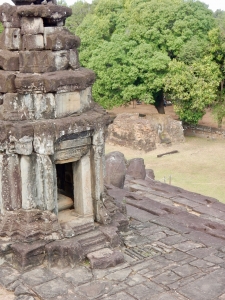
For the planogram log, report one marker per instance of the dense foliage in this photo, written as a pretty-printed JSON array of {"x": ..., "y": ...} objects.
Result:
[{"x": 141, "y": 49}]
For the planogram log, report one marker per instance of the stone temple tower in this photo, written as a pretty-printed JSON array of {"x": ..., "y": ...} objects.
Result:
[{"x": 51, "y": 131}]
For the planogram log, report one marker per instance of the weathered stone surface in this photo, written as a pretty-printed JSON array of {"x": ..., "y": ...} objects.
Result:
[
  {"x": 139, "y": 133},
  {"x": 32, "y": 42},
  {"x": 8, "y": 16},
  {"x": 26, "y": 256},
  {"x": 53, "y": 13},
  {"x": 149, "y": 174},
  {"x": 115, "y": 169},
  {"x": 61, "y": 81},
  {"x": 37, "y": 276},
  {"x": 52, "y": 289},
  {"x": 16, "y": 108},
  {"x": 32, "y": 25},
  {"x": 11, "y": 183},
  {"x": 209, "y": 287},
  {"x": 11, "y": 39},
  {"x": 62, "y": 40},
  {"x": 7, "y": 82},
  {"x": 9, "y": 61},
  {"x": 111, "y": 234},
  {"x": 73, "y": 59},
  {"x": 8, "y": 275},
  {"x": 105, "y": 258},
  {"x": 30, "y": 225},
  {"x": 44, "y": 105},
  {"x": 78, "y": 276},
  {"x": 64, "y": 254},
  {"x": 44, "y": 138},
  {"x": 136, "y": 168},
  {"x": 44, "y": 61},
  {"x": 67, "y": 104}
]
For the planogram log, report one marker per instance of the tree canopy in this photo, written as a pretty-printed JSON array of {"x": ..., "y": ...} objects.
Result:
[{"x": 141, "y": 49}]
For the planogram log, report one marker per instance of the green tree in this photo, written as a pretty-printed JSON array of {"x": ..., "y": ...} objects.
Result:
[
  {"x": 192, "y": 88},
  {"x": 217, "y": 50},
  {"x": 80, "y": 9},
  {"x": 129, "y": 44}
]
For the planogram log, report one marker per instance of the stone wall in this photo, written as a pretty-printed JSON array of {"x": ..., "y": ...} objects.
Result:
[{"x": 204, "y": 131}]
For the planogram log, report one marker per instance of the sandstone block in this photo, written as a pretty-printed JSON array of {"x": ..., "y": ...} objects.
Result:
[
  {"x": 136, "y": 168},
  {"x": 61, "y": 40},
  {"x": 15, "y": 108},
  {"x": 28, "y": 179},
  {"x": 11, "y": 39},
  {"x": 24, "y": 146},
  {"x": 11, "y": 183},
  {"x": 28, "y": 255},
  {"x": 73, "y": 59},
  {"x": 44, "y": 138},
  {"x": 7, "y": 82},
  {"x": 86, "y": 98},
  {"x": 43, "y": 61},
  {"x": 44, "y": 106},
  {"x": 82, "y": 186},
  {"x": 32, "y": 42},
  {"x": 67, "y": 104},
  {"x": 9, "y": 61},
  {"x": 51, "y": 30},
  {"x": 115, "y": 169},
  {"x": 105, "y": 258},
  {"x": 9, "y": 16},
  {"x": 32, "y": 25}
]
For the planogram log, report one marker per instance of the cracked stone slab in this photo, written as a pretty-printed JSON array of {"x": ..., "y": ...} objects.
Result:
[
  {"x": 95, "y": 289},
  {"x": 78, "y": 276},
  {"x": 120, "y": 275},
  {"x": 38, "y": 276},
  {"x": 141, "y": 292},
  {"x": 185, "y": 270},
  {"x": 119, "y": 296},
  {"x": 206, "y": 288},
  {"x": 8, "y": 275},
  {"x": 166, "y": 278},
  {"x": 52, "y": 289}
]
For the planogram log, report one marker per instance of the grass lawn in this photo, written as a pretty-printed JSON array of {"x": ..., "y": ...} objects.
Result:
[{"x": 199, "y": 166}]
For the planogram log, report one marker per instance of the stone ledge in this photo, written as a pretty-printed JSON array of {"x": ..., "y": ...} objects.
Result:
[{"x": 61, "y": 81}]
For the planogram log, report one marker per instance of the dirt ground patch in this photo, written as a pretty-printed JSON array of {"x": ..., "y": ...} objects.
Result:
[{"x": 199, "y": 165}]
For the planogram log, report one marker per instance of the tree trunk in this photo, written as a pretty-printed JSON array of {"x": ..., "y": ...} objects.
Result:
[{"x": 159, "y": 102}]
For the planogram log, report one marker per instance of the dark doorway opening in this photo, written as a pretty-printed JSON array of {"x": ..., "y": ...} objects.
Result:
[{"x": 65, "y": 186}]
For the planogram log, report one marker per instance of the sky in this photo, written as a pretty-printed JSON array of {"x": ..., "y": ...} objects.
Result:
[{"x": 213, "y": 4}]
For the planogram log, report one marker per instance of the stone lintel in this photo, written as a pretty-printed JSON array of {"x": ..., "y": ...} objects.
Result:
[
  {"x": 70, "y": 155},
  {"x": 73, "y": 143}
]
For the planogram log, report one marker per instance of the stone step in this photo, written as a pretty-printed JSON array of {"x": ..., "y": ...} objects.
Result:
[
  {"x": 92, "y": 241},
  {"x": 105, "y": 258}
]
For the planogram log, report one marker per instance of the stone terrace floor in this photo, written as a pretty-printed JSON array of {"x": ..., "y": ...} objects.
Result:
[{"x": 174, "y": 250}]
